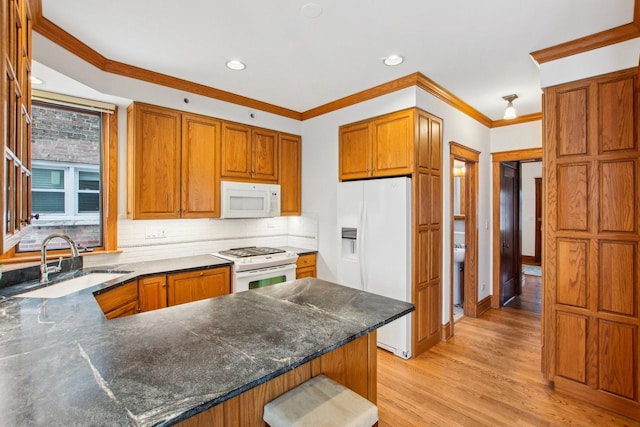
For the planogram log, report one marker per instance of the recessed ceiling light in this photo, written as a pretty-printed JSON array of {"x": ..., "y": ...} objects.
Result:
[
  {"x": 36, "y": 81},
  {"x": 311, "y": 10},
  {"x": 235, "y": 65},
  {"x": 393, "y": 60}
]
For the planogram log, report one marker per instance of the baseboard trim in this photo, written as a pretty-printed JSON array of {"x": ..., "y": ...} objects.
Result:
[
  {"x": 446, "y": 332},
  {"x": 483, "y": 305},
  {"x": 527, "y": 259}
]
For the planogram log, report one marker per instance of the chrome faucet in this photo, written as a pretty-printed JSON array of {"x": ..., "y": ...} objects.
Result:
[{"x": 44, "y": 270}]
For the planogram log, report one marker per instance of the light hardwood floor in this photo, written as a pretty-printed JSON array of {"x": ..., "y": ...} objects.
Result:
[{"x": 488, "y": 374}]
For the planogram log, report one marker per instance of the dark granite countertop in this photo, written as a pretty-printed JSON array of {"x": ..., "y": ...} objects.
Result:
[
  {"x": 129, "y": 272},
  {"x": 298, "y": 251},
  {"x": 63, "y": 363}
]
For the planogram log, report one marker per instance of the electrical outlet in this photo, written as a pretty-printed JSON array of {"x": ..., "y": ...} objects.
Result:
[
  {"x": 484, "y": 286},
  {"x": 154, "y": 233}
]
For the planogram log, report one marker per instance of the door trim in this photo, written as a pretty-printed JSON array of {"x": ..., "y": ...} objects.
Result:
[
  {"x": 537, "y": 257},
  {"x": 471, "y": 158},
  {"x": 496, "y": 159}
]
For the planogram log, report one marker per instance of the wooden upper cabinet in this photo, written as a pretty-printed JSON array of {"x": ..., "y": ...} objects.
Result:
[
  {"x": 378, "y": 147},
  {"x": 264, "y": 155},
  {"x": 290, "y": 147},
  {"x": 248, "y": 153},
  {"x": 235, "y": 151},
  {"x": 15, "y": 113},
  {"x": 355, "y": 151},
  {"x": 392, "y": 144},
  {"x": 200, "y": 177},
  {"x": 196, "y": 285},
  {"x": 172, "y": 164},
  {"x": 154, "y": 162}
]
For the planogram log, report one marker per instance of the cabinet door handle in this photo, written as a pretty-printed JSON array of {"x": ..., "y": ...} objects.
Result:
[
  {"x": 164, "y": 285},
  {"x": 202, "y": 273}
]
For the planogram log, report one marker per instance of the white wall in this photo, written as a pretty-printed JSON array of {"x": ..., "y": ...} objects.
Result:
[
  {"x": 595, "y": 62},
  {"x": 528, "y": 172},
  {"x": 516, "y": 137}
]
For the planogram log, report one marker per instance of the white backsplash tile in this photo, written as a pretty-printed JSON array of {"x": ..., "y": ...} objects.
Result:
[{"x": 188, "y": 237}]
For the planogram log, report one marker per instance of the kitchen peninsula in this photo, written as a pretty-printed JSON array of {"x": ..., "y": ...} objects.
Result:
[{"x": 63, "y": 363}]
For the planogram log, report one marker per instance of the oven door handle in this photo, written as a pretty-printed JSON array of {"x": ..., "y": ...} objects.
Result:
[{"x": 251, "y": 273}]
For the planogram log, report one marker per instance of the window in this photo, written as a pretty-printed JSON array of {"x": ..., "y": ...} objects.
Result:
[
  {"x": 65, "y": 192},
  {"x": 67, "y": 147}
]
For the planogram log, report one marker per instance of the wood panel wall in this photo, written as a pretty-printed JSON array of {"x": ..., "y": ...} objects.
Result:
[
  {"x": 592, "y": 237},
  {"x": 427, "y": 183}
]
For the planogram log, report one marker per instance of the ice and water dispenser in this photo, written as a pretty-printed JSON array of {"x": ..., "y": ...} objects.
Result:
[{"x": 349, "y": 243}]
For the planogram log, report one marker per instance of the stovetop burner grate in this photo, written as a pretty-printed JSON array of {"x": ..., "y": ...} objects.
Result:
[{"x": 251, "y": 251}]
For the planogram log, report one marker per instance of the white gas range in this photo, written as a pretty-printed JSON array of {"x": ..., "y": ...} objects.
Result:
[{"x": 256, "y": 267}]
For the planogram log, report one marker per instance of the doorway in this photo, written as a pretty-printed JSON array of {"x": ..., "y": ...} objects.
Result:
[
  {"x": 464, "y": 232},
  {"x": 506, "y": 224}
]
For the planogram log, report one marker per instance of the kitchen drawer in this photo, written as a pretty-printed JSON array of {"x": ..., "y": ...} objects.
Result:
[{"x": 308, "y": 260}]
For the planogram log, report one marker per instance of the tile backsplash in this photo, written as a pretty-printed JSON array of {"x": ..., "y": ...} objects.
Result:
[{"x": 144, "y": 240}]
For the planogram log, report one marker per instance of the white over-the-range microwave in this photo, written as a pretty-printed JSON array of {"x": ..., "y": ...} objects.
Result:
[{"x": 249, "y": 200}]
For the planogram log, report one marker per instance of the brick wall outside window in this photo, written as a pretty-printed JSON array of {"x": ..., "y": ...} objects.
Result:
[{"x": 70, "y": 136}]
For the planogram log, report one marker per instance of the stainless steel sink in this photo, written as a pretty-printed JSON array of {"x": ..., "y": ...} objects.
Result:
[{"x": 70, "y": 286}]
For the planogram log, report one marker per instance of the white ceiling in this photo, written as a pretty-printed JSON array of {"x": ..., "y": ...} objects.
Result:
[{"x": 478, "y": 50}]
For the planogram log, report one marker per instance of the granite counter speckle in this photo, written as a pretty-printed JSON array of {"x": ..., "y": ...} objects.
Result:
[{"x": 63, "y": 363}]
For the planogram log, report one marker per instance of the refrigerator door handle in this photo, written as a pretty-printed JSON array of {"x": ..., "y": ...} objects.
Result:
[{"x": 361, "y": 246}]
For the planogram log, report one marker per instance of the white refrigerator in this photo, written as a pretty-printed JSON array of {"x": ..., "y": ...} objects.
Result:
[{"x": 374, "y": 226}]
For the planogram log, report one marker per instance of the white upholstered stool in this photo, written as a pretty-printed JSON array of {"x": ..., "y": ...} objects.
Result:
[{"x": 320, "y": 401}]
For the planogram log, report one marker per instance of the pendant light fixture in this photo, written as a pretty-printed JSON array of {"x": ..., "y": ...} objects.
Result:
[{"x": 510, "y": 112}]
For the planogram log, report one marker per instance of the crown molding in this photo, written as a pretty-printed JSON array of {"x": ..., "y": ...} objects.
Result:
[
  {"x": 67, "y": 41},
  {"x": 441, "y": 93},
  {"x": 593, "y": 41},
  {"x": 62, "y": 38},
  {"x": 365, "y": 95},
  {"x": 518, "y": 120}
]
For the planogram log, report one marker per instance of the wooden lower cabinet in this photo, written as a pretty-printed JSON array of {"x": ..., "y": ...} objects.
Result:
[
  {"x": 306, "y": 266},
  {"x": 172, "y": 289},
  {"x": 152, "y": 292},
  {"x": 354, "y": 365},
  {"x": 197, "y": 285},
  {"x": 119, "y": 302}
]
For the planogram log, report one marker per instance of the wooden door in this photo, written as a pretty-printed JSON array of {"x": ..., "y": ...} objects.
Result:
[
  {"x": 290, "y": 175},
  {"x": 537, "y": 256},
  {"x": 197, "y": 285},
  {"x": 392, "y": 144},
  {"x": 155, "y": 150},
  {"x": 200, "y": 156},
  {"x": 354, "y": 151},
  {"x": 264, "y": 155},
  {"x": 152, "y": 293},
  {"x": 592, "y": 240},
  {"x": 509, "y": 231},
  {"x": 235, "y": 151}
]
